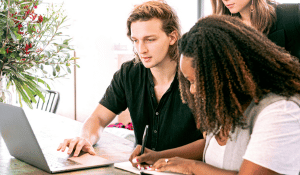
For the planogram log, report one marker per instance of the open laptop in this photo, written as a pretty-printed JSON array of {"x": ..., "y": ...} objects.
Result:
[{"x": 23, "y": 145}]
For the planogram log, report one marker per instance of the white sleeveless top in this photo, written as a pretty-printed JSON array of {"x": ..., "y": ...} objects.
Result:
[{"x": 215, "y": 153}]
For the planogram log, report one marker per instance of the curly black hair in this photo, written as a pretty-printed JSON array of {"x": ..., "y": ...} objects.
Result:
[{"x": 234, "y": 64}]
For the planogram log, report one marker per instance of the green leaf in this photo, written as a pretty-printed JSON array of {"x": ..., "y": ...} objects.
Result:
[
  {"x": 12, "y": 34},
  {"x": 19, "y": 37},
  {"x": 23, "y": 94},
  {"x": 74, "y": 58},
  {"x": 2, "y": 51},
  {"x": 54, "y": 73},
  {"x": 57, "y": 68},
  {"x": 68, "y": 69},
  {"x": 30, "y": 93},
  {"x": 66, "y": 41}
]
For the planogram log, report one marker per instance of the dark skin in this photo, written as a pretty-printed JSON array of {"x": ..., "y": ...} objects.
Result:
[
  {"x": 188, "y": 158},
  {"x": 192, "y": 163}
]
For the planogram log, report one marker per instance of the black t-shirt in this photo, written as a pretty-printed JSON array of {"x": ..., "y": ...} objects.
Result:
[
  {"x": 286, "y": 31},
  {"x": 171, "y": 123}
]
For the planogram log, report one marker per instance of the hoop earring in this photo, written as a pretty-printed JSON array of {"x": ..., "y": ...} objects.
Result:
[{"x": 252, "y": 7}]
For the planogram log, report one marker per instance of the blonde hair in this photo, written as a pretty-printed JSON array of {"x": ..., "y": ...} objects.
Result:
[
  {"x": 262, "y": 18},
  {"x": 160, "y": 10}
]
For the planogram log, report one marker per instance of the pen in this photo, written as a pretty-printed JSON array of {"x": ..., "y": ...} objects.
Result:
[{"x": 144, "y": 139}]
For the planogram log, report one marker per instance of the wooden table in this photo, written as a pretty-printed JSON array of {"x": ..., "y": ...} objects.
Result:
[{"x": 57, "y": 128}]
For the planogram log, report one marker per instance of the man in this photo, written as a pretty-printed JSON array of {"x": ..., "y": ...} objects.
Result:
[{"x": 147, "y": 86}]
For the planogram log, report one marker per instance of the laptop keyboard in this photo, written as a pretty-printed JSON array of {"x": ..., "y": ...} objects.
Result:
[{"x": 57, "y": 162}]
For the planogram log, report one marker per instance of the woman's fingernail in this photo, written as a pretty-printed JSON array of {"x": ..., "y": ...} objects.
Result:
[
  {"x": 149, "y": 169},
  {"x": 138, "y": 166},
  {"x": 134, "y": 160}
]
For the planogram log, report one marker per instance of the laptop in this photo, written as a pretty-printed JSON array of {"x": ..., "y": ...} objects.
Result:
[{"x": 23, "y": 145}]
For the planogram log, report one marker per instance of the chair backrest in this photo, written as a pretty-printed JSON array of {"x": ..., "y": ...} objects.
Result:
[{"x": 51, "y": 101}]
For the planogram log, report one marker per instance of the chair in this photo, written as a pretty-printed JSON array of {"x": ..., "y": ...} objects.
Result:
[{"x": 51, "y": 101}]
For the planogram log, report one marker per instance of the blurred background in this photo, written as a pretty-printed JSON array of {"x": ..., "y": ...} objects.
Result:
[{"x": 98, "y": 29}]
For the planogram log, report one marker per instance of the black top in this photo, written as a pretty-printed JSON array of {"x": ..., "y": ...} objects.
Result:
[
  {"x": 171, "y": 123},
  {"x": 286, "y": 31}
]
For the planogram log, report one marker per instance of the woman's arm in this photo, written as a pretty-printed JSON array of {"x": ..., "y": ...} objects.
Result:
[
  {"x": 186, "y": 166},
  {"x": 193, "y": 150}
]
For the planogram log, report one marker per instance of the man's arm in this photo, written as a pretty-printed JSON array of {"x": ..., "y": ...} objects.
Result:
[
  {"x": 94, "y": 125},
  {"x": 90, "y": 133}
]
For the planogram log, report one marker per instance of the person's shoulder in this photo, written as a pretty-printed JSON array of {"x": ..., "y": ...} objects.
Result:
[
  {"x": 132, "y": 65},
  {"x": 283, "y": 109},
  {"x": 132, "y": 70},
  {"x": 289, "y": 9}
]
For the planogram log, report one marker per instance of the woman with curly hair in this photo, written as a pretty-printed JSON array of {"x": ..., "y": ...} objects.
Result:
[
  {"x": 243, "y": 90},
  {"x": 280, "y": 22}
]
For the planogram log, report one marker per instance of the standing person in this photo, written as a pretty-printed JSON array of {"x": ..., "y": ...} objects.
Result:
[
  {"x": 147, "y": 86},
  {"x": 280, "y": 22},
  {"x": 244, "y": 91}
]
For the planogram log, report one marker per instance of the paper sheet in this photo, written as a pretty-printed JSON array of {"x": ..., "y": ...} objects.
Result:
[{"x": 128, "y": 167}]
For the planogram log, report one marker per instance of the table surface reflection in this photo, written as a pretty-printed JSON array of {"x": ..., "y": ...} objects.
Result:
[{"x": 57, "y": 128}]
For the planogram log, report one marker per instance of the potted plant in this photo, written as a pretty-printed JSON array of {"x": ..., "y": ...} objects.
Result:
[{"x": 30, "y": 43}]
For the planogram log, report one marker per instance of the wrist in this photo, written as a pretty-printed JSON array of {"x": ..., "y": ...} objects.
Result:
[
  {"x": 193, "y": 166},
  {"x": 159, "y": 155}
]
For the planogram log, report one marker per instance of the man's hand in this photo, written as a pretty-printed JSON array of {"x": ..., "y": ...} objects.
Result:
[{"x": 76, "y": 144}]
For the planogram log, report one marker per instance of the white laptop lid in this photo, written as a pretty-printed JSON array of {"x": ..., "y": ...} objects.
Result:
[{"x": 23, "y": 145}]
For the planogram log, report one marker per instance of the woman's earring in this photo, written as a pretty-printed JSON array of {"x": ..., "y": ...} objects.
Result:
[{"x": 252, "y": 7}]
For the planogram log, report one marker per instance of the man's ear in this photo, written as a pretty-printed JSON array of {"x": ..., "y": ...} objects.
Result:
[{"x": 173, "y": 37}]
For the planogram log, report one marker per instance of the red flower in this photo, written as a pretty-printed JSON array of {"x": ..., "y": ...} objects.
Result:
[
  {"x": 40, "y": 18},
  {"x": 7, "y": 50},
  {"x": 27, "y": 12},
  {"x": 28, "y": 47},
  {"x": 19, "y": 27},
  {"x": 35, "y": 6},
  {"x": 34, "y": 16}
]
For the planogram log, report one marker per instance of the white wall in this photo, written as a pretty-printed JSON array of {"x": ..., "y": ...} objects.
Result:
[{"x": 96, "y": 27}]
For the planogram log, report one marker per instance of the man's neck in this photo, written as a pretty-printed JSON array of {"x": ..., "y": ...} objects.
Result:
[{"x": 164, "y": 74}]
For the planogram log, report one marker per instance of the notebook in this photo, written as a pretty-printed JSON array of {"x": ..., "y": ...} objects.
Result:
[
  {"x": 23, "y": 145},
  {"x": 127, "y": 166}
]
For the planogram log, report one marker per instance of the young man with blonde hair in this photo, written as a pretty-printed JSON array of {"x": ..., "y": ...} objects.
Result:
[{"x": 147, "y": 86}]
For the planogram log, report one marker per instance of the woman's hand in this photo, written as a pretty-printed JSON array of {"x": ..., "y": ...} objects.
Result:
[
  {"x": 176, "y": 164},
  {"x": 148, "y": 158}
]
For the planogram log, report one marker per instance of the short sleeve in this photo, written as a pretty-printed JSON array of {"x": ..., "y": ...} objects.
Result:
[
  {"x": 114, "y": 98},
  {"x": 275, "y": 141}
]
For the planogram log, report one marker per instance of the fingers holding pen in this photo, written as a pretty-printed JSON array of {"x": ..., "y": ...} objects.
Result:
[{"x": 145, "y": 160}]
